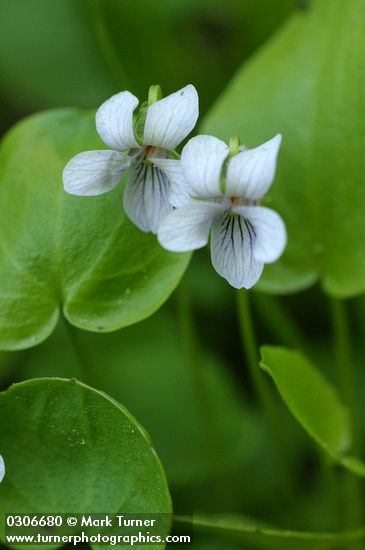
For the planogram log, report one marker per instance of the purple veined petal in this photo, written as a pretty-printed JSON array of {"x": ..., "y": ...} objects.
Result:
[
  {"x": 114, "y": 121},
  {"x": 180, "y": 193},
  {"x": 94, "y": 172},
  {"x": 146, "y": 196},
  {"x": 270, "y": 233},
  {"x": 251, "y": 172},
  {"x": 202, "y": 161},
  {"x": 187, "y": 228},
  {"x": 232, "y": 245},
  {"x": 2, "y": 468},
  {"x": 172, "y": 118}
]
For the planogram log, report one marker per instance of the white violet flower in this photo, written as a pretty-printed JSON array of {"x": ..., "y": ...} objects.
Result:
[
  {"x": 2, "y": 468},
  {"x": 157, "y": 130},
  {"x": 219, "y": 192}
]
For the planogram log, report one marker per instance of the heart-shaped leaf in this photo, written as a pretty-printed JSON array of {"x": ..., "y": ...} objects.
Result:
[
  {"x": 70, "y": 448},
  {"x": 307, "y": 83},
  {"x": 313, "y": 401},
  {"x": 57, "y": 251}
]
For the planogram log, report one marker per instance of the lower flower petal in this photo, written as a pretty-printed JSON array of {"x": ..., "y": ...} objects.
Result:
[
  {"x": 269, "y": 230},
  {"x": 232, "y": 249},
  {"x": 146, "y": 196},
  {"x": 187, "y": 228},
  {"x": 94, "y": 172}
]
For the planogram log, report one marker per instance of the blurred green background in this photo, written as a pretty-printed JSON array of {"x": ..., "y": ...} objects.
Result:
[{"x": 79, "y": 52}]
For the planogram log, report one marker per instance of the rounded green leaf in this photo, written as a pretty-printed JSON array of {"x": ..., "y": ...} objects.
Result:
[
  {"x": 307, "y": 83},
  {"x": 200, "y": 426},
  {"x": 57, "y": 251},
  {"x": 70, "y": 448},
  {"x": 255, "y": 535}
]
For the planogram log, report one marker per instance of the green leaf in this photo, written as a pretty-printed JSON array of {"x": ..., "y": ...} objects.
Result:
[
  {"x": 313, "y": 402},
  {"x": 68, "y": 447},
  {"x": 307, "y": 83},
  {"x": 254, "y": 535},
  {"x": 79, "y": 254}
]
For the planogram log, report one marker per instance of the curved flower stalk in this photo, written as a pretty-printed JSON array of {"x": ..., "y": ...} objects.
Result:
[
  {"x": 157, "y": 130},
  {"x": 2, "y": 468},
  {"x": 216, "y": 190}
]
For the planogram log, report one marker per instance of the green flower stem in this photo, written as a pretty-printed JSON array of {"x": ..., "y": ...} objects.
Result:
[
  {"x": 262, "y": 388},
  {"x": 347, "y": 380},
  {"x": 345, "y": 365},
  {"x": 106, "y": 45},
  {"x": 330, "y": 485},
  {"x": 190, "y": 348}
]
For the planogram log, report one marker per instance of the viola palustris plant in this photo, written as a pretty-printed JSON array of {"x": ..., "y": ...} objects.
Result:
[
  {"x": 114, "y": 325},
  {"x": 148, "y": 138}
]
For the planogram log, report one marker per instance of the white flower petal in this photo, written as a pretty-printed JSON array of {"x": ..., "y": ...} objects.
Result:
[
  {"x": 2, "y": 468},
  {"x": 172, "y": 118},
  {"x": 187, "y": 228},
  {"x": 114, "y": 121},
  {"x": 232, "y": 251},
  {"x": 251, "y": 172},
  {"x": 179, "y": 189},
  {"x": 269, "y": 229},
  {"x": 202, "y": 160},
  {"x": 146, "y": 196},
  {"x": 94, "y": 172}
]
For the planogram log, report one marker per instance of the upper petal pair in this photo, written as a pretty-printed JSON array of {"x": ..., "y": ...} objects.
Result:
[
  {"x": 249, "y": 173},
  {"x": 168, "y": 122}
]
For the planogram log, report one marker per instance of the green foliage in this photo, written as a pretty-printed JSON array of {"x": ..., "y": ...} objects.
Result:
[
  {"x": 307, "y": 83},
  {"x": 80, "y": 451},
  {"x": 80, "y": 254}
]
